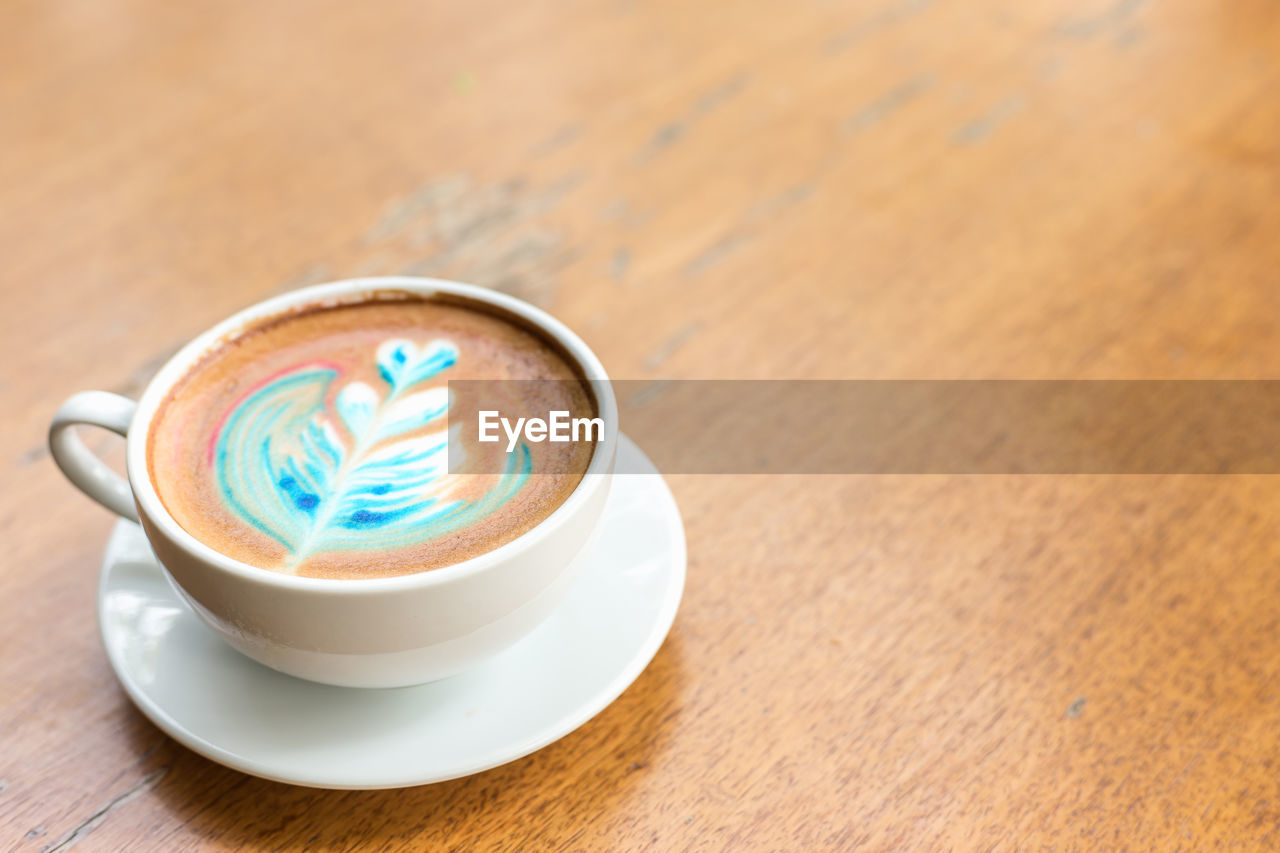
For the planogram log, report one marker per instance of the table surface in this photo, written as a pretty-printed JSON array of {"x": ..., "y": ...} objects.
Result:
[{"x": 890, "y": 189}]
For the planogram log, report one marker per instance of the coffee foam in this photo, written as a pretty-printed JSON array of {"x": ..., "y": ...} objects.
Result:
[{"x": 312, "y": 443}]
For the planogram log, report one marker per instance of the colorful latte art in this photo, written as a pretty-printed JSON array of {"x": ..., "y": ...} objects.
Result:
[
  {"x": 284, "y": 467},
  {"x": 318, "y": 443}
]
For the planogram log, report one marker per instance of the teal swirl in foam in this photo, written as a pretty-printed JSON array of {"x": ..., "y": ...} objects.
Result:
[{"x": 379, "y": 482}]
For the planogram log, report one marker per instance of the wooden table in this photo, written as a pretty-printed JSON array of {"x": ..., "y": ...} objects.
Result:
[{"x": 890, "y": 189}]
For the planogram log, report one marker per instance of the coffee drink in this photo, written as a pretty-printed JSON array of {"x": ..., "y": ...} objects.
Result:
[{"x": 317, "y": 442}]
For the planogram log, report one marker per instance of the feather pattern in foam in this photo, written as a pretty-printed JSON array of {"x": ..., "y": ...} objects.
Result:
[{"x": 379, "y": 482}]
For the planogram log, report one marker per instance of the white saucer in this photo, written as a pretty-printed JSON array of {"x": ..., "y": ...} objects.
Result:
[{"x": 246, "y": 716}]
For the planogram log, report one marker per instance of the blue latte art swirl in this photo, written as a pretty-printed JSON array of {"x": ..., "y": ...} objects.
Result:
[{"x": 379, "y": 482}]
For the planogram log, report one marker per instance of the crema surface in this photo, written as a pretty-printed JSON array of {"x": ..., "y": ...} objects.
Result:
[{"x": 316, "y": 443}]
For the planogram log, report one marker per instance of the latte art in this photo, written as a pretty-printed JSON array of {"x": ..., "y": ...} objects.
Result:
[
  {"x": 379, "y": 480},
  {"x": 319, "y": 443}
]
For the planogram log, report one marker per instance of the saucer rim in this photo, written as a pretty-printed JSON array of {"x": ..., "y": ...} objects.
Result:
[{"x": 664, "y": 618}]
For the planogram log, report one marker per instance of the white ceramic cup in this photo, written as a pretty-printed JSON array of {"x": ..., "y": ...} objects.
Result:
[{"x": 380, "y": 632}]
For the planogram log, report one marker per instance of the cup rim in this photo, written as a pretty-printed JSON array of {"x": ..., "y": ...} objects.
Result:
[{"x": 336, "y": 293}]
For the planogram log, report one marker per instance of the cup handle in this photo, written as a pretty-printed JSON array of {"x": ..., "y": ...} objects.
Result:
[{"x": 91, "y": 474}]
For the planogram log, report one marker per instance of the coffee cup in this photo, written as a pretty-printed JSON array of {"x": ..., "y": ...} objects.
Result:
[{"x": 351, "y": 631}]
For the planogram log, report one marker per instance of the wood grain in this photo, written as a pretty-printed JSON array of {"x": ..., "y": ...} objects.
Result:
[{"x": 896, "y": 188}]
